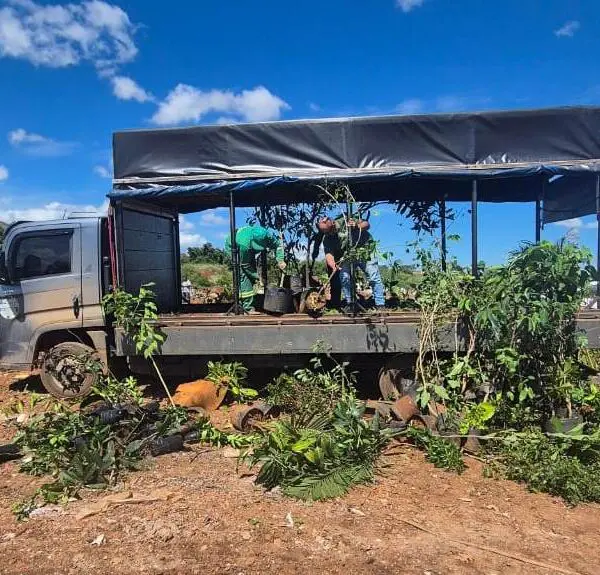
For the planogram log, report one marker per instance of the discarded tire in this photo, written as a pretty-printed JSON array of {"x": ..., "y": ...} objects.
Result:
[{"x": 164, "y": 445}]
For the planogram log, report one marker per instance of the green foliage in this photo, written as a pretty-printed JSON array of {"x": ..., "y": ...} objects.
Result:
[
  {"x": 320, "y": 456},
  {"x": 137, "y": 315},
  {"x": 206, "y": 254},
  {"x": 477, "y": 416},
  {"x": 209, "y": 434},
  {"x": 206, "y": 275},
  {"x": 314, "y": 389},
  {"x": 116, "y": 392},
  {"x": 439, "y": 451},
  {"x": 518, "y": 325},
  {"x": 233, "y": 377},
  {"x": 562, "y": 465}
]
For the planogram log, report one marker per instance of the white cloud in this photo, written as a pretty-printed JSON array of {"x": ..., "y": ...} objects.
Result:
[
  {"x": 102, "y": 171},
  {"x": 410, "y": 106},
  {"x": 126, "y": 88},
  {"x": 191, "y": 240},
  {"x": 3, "y": 173},
  {"x": 568, "y": 29},
  {"x": 187, "y": 234},
  {"x": 577, "y": 224},
  {"x": 452, "y": 103},
  {"x": 185, "y": 225},
  {"x": 408, "y": 5},
  {"x": 314, "y": 107},
  {"x": 52, "y": 211},
  {"x": 61, "y": 35},
  {"x": 189, "y": 104},
  {"x": 212, "y": 218},
  {"x": 37, "y": 145}
]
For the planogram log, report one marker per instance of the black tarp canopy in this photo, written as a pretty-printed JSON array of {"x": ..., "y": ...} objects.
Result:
[{"x": 515, "y": 156}]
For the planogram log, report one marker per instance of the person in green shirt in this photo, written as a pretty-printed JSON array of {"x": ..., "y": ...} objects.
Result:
[{"x": 251, "y": 241}]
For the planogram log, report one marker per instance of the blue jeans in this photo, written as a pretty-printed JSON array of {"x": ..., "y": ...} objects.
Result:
[{"x": 371, "y": 270}]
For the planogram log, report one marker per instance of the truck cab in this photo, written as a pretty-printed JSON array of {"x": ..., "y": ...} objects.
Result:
[{"x": 52, "y": 278}]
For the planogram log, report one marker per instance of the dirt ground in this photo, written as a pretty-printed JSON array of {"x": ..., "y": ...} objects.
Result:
[{"x": 415, "y": 519}]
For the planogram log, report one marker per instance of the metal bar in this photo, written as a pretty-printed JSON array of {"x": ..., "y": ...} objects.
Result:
[
  {"x": 177, "y": 248},
  {"x": 538, "y": 211},
  {"x": 598, "y": 233},
  {"x": 235, "y": 256},
  {"x": 474, "y": 244},
  {"x": 352, "y": 267},
  {"x": 263, "y": 254},
  {"x": 443, "y": 231}
]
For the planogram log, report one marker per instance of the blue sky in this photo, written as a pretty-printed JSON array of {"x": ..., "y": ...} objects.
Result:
[{"x": 75, "y": 72}]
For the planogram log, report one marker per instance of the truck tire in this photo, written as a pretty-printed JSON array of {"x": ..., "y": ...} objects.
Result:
[{"x": 63, "y": 372}]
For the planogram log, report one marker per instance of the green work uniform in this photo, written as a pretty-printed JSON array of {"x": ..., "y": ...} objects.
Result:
[{"x": 251, "y": 241}]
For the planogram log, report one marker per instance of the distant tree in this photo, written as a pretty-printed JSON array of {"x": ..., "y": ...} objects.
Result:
[{"x": 206, "y": 254}]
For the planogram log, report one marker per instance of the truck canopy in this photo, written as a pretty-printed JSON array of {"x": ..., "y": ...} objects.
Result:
[{"x": 515, "y": 156}]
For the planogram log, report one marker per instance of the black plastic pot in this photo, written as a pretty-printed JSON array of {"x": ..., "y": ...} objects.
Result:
[
  {"x": 192, "y": 437},
  {"x": 296, "y": 285},
  {"x": 562, "y": 424},
  {"x": 164, "y": 445},
  {"x": 278, "y": 300},
  {"x": 110, "y": 416},
  {"x": 9, "y": 452}
]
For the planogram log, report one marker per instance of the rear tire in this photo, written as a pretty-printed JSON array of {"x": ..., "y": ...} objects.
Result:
[{"x": 64, "y": 373}]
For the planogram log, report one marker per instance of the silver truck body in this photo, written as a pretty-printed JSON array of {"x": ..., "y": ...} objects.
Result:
[{"x": 54, "y": 286}]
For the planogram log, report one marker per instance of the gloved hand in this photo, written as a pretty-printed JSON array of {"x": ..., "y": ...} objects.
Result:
[{"x": 282, "y": 265}]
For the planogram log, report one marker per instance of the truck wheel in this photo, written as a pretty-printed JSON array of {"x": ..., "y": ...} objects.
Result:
[{"x": 65, "y": 370}]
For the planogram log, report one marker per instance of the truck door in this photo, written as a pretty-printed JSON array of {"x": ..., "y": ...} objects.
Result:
[
  {"x": 44, "y": 263},
  {"x": 147, "y": 246}
]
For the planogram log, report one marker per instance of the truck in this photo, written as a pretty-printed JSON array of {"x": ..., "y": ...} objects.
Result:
[{"x": 54, "y": 274}]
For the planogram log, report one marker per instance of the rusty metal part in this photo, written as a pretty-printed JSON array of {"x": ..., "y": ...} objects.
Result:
[
  {"x": 201, "y": 393},
  {"x": 405, "y": 408},
  {"x": 244, "y": 417},
  {"x": 424, "y": 422},
  {"x": 471, "y": 443},
  {"x": 383, "y": 408},
  {"x": 436, "y": 408},
  {"x": 266, "y": 409}
]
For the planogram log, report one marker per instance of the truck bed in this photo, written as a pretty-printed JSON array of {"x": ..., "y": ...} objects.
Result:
[{"x": 212, "y": 334}]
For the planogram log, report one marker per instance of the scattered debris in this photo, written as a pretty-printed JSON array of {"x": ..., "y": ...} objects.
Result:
[
  {"x": 100, "y": 540},
  {"x": 124, "y": 498}
]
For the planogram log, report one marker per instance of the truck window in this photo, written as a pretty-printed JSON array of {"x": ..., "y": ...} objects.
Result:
[{"x": 42, "y": 255}]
